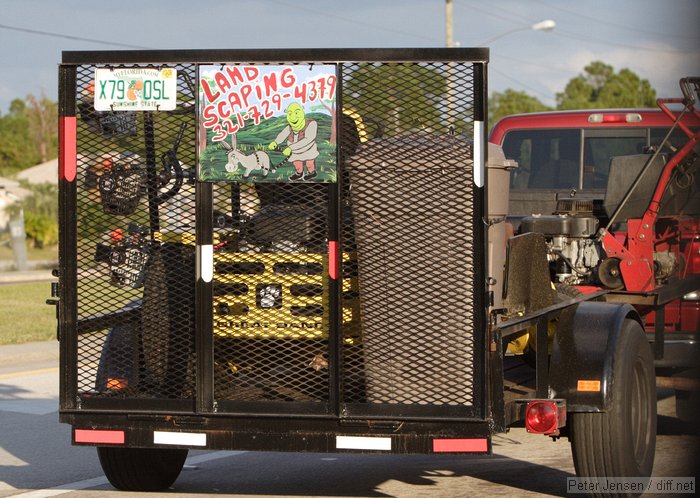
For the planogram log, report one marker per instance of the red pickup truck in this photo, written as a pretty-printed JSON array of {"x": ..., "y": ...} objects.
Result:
[{"x": 568, "y": 155}]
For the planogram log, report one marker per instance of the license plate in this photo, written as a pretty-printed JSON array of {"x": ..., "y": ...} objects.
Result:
[{"x": 135, "y": 89}]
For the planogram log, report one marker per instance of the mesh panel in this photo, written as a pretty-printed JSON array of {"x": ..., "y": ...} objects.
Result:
[
  {"x": 135, "y": 227},
  {"x": 271, "y": 292},
  {"x": 411, "y": 200}
]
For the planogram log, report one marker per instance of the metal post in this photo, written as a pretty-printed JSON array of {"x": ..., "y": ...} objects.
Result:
[
  {"x": 18, "y": 238},
  {"x": 449, "y": 41}
]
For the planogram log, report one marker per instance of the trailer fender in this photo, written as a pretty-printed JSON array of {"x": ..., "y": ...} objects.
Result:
[{"x": 581, "y": 368}]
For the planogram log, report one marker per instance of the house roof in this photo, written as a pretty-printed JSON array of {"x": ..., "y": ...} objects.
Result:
[{"x": 41, "y": 173}]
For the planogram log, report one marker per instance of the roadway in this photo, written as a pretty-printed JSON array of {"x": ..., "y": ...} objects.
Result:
[{"x": 37, "y": 460}]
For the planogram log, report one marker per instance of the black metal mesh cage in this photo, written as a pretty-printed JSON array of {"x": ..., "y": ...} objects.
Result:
[
  {"x": 270, "y": 292},
  {"x": 411, "y": 198},
  {"x": 350, "y": 297},
  {"x": 135, "y": 222}
]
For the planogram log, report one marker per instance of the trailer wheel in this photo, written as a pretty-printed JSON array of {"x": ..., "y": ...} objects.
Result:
[
  {"x": 621, "y": 441},
  {"x": 167, "y": 320},
  {"x": 141, "y": 469}
]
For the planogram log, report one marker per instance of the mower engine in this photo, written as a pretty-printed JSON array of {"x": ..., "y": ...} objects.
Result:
[{"x": 573, "y": 251}]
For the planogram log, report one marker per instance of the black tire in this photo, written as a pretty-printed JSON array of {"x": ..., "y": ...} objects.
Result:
[
  {"x": 168, "y": 321},
  {"x": 621, "y": 442},
  {"x": 141, "y": 469},
  {"x": 118, "y": 360}
]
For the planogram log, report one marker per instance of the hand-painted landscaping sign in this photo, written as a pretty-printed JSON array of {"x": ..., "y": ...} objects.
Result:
[{"x": 267, "y": 123}]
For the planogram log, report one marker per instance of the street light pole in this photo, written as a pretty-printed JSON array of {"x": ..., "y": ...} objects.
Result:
[{"x": 449, "y": 41}]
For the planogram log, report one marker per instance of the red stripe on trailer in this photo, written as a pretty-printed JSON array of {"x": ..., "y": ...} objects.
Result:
[
  {"x": 67, "y": 162},
  {"x": 333, "y": 259},
  {"x": 98, "y": 436},
  {"x": 478, "y": 445}
]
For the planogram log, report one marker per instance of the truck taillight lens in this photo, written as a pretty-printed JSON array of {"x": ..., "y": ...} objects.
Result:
[
  {"x": 630, "y": 117},
  {"x": 541, "y": 417}
]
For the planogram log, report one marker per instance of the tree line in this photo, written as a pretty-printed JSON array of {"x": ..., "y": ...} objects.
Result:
[
  {"x": 28, "y": 134},
  {"x": 599, "y": 87},
  {"x": 29, "y": 131}
]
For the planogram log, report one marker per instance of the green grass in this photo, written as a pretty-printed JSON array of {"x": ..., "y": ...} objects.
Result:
[
  {"x": 33, "y": 254},
  {"x": 25, "y": 315}
]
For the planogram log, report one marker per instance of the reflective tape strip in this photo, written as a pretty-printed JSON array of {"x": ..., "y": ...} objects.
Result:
[
  {"x": 180, "y": 438},
  {"x": 362, "y": 443},
  {"x": 205, "y": 259},
  {"x": 479, "y": 445},
  {"x": 67, "y": 162},
  {"x": 478, "y": 153},
  {"x": 333, "y": 259},
  {"x": 98, "y": 436}
]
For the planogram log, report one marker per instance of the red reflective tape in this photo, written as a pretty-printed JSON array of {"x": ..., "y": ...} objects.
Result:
[
  {"x": 99, "y": 436},
  {"x": 480, "y": 445},
  {"x": 333, "y": 259},
  {"x": 67, "y": 162}
]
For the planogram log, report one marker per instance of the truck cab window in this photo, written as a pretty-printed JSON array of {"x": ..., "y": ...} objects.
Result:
[
  {"x": 597, "y": 152},
  {"x": 547, "y": 159}
]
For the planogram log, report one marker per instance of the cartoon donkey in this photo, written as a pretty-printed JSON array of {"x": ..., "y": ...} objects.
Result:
[{"x": 258, "y": 160}]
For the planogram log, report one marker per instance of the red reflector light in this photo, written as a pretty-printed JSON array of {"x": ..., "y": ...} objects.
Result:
[
  {"x": 67, "y": 163},
  {"x": 541, "y": 417},
  {"x": 479, "y": 445},
  {"x": 117, "y": 384},
  {"x": 333, "y": 259},
  {"x": 98, "y": 436}
]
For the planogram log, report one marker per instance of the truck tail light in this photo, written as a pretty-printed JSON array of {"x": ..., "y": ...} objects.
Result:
[
  {"x": 599, "y": 117},
  {"x": 542, "y": 417}
]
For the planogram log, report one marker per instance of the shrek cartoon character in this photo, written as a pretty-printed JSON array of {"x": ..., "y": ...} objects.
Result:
[{"x": 300, "y": 136}]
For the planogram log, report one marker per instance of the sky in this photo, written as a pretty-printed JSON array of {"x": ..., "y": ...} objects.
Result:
[{"x": 657, "y": 39}]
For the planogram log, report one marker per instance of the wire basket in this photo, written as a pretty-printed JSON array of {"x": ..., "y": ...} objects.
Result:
[
  {"x": 128, "y": 261},
  {"x": 121, "y": 188}
]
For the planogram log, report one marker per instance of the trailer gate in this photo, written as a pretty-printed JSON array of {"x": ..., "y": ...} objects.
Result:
[{"x": 198, "y": 278}]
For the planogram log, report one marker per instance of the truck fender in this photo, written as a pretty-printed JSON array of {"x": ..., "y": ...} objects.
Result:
[{"x": 581, "y": 367}]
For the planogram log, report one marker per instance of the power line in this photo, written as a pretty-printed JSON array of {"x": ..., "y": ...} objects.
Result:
[
  {"x": 491, "y": 12},
  {"x": 587, "y": 38},
  {"x": 68, "y": 37},
  {"x": 495, "y": 55},
  {"x": 529, "y": 87},
  {"x": 635, "y": 29},
  {"x": 297, "y": 6},
  {"x": 504, "y": 15}
]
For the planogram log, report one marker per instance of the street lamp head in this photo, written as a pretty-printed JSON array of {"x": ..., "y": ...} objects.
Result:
[{"x": 546, "y": 25}]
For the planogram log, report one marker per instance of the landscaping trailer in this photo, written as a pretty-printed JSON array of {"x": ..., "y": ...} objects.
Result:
[{"x": 306, "y": 250}]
